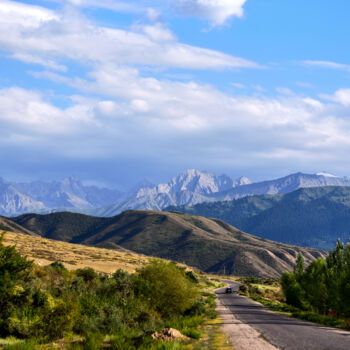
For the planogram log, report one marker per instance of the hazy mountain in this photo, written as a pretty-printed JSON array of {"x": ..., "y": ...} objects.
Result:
[
  {"x": 138, "y": 188},
  {"x": 14, "y": 202},
  {"x": 43, "y": 197},
  {"x": 208, "y": 244},
  {"x": 314, "y": 217},
  {"x": 69, "y": 192}
]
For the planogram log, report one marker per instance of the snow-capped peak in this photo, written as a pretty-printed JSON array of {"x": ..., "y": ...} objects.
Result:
[{"x": 325, "y": 174}]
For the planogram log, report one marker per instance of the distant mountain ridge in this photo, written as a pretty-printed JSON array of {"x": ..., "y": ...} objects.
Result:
[
  {"x": 193, "y": 187},
  {"x": 188, "y": 188},
  {"x": 314, "y": 216}
]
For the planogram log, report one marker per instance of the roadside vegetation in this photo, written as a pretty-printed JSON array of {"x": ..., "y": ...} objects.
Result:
[
  {"x": 318, "y": 293},
  {"x": 48, "y": 307}
]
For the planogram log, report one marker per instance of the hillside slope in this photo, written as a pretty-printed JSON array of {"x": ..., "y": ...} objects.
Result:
[
  {"x": 314, "y": 217},
  {"x": 209, "y": 244},
  {"x": 9, "y": 225}
]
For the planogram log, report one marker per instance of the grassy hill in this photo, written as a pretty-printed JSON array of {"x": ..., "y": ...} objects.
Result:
[
  {"x": 314, "y": 217},
  {"x": 209, "y": 244}
]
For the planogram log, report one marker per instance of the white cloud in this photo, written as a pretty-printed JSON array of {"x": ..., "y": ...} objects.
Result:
[
  {"x": 341, "y": 96},
  {"x": 22, "y": 15},
  {"x": 284, "y": 90},
  {"x": 47, "y": 63},
  {"x": 47, "y": 36},
  {"x": 328, "y": 64},
  {"x": 216, "y": 11},
  {"x": 113, "y": 5},
  {"x": 238, "y": 85},
  {"x": 25, "y": 113}
]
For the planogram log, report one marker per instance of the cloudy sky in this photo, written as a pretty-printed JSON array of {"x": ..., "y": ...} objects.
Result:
[{"x": 115, "y": 91}]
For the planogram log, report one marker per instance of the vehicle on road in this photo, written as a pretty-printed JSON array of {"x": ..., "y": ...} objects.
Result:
[{"x": 228, "y": 290}]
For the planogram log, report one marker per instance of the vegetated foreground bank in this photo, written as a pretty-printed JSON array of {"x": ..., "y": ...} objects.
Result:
[
  {"x": 88, "y": 310},
  {"x": 208, "y": 244},
  {"x": 319, "y": 293}
]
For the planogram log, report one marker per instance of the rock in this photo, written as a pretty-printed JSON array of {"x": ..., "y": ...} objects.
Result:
[{"x": 169, "y": 334}]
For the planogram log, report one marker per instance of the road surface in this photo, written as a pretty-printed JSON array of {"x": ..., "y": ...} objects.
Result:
[{"x": 282, "y": 331}]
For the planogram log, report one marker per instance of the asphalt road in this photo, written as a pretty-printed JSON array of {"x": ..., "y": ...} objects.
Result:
[{"x": 282, "y": 331}]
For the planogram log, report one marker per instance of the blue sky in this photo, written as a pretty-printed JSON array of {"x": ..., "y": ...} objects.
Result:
[{"x": 114, "y": 91}]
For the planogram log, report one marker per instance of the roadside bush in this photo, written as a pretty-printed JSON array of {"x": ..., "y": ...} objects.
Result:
[
  {"x": 167, "y": 288},
  {"x": 323, "y": 287},
  {"x": 291, "y": 289}
]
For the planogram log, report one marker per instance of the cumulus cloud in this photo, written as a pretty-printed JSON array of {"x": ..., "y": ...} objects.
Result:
[
  {"x": 34, "y": 32},
  {"x": 217, "y": 12},
  {"x": 148, "y": 117}
]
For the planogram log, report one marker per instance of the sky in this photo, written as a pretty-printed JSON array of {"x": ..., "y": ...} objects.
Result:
[{"x": 116, "y": 91}]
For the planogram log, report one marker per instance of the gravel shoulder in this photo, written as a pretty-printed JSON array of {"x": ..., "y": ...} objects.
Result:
[{"x": 241, "y": 335}]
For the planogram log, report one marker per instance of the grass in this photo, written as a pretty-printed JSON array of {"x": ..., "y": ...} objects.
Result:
[{"x": 213, "y": 338}]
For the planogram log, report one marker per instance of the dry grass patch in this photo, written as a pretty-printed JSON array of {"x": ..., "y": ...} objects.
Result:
[{"x": 74, "y": 256}]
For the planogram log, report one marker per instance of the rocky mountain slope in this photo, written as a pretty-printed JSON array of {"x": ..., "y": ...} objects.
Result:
[
  {"x": 314, "y": 217},
  {"x": 188, "y": 188},
  {"x": 209, "y": 244},
  {"x": 285, "y": 184}
]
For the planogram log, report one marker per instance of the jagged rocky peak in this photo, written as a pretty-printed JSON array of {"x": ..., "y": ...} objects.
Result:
[
  {"x": 201, "y": 182},
  {"x": 242, "y": 181},
  {"x": 194, "y": 181}
]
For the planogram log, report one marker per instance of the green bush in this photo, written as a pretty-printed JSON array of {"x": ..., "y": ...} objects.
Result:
[{"x": 87, "y": 274}]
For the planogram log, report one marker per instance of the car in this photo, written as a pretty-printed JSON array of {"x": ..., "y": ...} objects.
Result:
[{"x": 228, "y": 290}]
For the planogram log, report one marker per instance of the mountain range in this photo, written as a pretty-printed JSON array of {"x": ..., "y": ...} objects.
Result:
[
  {"x": 208, "y": 244},
  {"x": 189, "y": 188},
  {"x": 314, "y": 217}
]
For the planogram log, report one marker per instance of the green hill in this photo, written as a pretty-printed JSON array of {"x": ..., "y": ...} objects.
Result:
[
  {"x": 314, "y": 217},
  {"x": 209, "y": 244}
]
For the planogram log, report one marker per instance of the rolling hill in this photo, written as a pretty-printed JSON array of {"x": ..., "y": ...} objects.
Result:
[
  {"x": 209, "y": 244},
  {"x": 314, "y": 217}
]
